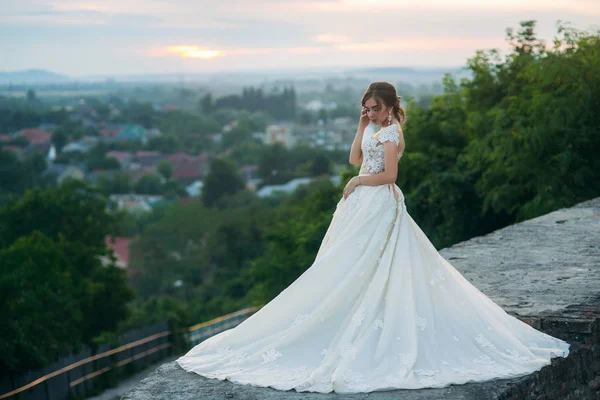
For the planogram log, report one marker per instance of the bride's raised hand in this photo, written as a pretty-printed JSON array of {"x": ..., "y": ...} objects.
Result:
[{"x": 364, "y": 119}]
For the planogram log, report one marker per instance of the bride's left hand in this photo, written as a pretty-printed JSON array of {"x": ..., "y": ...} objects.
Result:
[{"x": 350, "y": 186}]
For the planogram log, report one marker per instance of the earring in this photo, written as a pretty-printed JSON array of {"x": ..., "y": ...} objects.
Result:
[{"x": 389, "y": 118}]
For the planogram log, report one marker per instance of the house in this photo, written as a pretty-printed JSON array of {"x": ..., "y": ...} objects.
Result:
[
  {"x": 286, "y": 187},
  {"x": 81, "y": 146},
  {"x": 181, "y": 158},
  {"x": 316, "y": 105},
  {"x": 250, "y": 175},
  {"x": 123, "y": 157},
  {"x": 109, "y": 133},
  {"x": 280, "y": 133},
  {"x": 38, "y": 147},
  {"x": 35, "y": 136},
  {"x": 65, "y": 171},
  {"x": 229, "y": 127},
  {"x": 133, "y": 132},
  {"x": 149, "y": 158},
  {"x": 187, "y": 173},
  {"x": 188, "y": 169},
  {"x": 249, "y": 172},
  {"x": 194, "y": 189},
  {"x": 135, "y": 203},
  {"x": 120, "y": 247},
  {"x": 290, "y": 186},
  {"x": 141, "y": 171},
  {"x": 17, "y": 150},
  {"x": 95, "y": 175}
]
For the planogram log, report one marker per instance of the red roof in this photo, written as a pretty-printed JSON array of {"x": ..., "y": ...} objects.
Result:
[
  {"x": 181, "y": 157},
  {"x": 136, "y": 174},
  {"x": 120, "y": 246},
  {"x": 141, "y": 154},
  {"x": 35, "y": 136},
  {"x": 109, "y": 132},
  {"x": 14, "y": 149},
  {"x": 188, "y": 170},
  {"x": 120, "y": 156}
]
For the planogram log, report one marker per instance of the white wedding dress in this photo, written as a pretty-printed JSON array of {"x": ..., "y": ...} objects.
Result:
[{"x": 379, "y": 309}]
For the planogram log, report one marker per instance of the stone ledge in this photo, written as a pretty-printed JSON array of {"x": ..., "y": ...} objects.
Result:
[{"x": 544, "y": 271}]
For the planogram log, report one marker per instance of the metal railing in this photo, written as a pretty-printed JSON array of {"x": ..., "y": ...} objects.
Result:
[
  {"x": 204, "y": 330},
  {"x": 76, "y": 373}
]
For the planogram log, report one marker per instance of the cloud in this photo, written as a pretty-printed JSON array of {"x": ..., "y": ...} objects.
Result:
[
  {"x": 584, "y": 7},
  {"x": 139, "y": 34},
  {"x": 336, "y": 44},
  {"x": 329, "y": 38}
]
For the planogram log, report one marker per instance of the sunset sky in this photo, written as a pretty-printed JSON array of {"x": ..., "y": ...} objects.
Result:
[{"x": 106, "y": 37}]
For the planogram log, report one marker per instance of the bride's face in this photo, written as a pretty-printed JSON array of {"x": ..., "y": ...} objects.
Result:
[{"x": 377, "y": 113}]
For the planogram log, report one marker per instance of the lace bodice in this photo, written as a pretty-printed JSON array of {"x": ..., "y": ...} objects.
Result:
[{"x": 372, "y": 149}]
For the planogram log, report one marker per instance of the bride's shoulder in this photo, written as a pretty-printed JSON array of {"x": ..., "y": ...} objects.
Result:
[{"x": 390, "y": 133}]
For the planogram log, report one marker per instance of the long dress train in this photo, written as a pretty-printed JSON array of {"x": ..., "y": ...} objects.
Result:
[{"x": 379, "y": 309}]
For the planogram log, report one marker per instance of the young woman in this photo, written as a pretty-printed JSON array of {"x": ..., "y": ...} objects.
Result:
[{"x": 380, "y": 308}]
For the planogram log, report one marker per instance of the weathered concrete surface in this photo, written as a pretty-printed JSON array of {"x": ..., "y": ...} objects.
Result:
[
  {"x": 171, "y": 382},
  {"x": 545, "y": 271}
]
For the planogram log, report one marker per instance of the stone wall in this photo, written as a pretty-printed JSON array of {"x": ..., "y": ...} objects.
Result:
[{"x": 544, "y": 271}]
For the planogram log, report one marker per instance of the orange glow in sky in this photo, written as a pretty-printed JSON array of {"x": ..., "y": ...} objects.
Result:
[{"x": 194, "y": 52}]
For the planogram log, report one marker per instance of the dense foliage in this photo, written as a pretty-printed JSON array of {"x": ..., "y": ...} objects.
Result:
[{"x": 55, "y": 292}]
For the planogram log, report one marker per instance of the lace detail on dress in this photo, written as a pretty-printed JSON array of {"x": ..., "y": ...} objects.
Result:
[
  {"x": 422, "y": 323},
  {"x": 389, "y": 133},
  {"x": 270, "y": 356},
  {"x": 358, "y": 317},
  {"x": 373, "y": 159},
  {"x": 436, "y": 276}
]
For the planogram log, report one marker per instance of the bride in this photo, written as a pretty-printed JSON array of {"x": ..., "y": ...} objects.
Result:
[{"x": 380, "y": 308}]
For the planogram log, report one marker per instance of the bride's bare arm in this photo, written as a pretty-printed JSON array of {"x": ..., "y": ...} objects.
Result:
[{"x": 356, "y": 155}]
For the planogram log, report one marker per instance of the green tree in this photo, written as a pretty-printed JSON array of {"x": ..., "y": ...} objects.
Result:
[
  {"x": 31, "y": 97},
  {"x": 273, "y": 165},
  {"x": 165, "y": 168},
  {"x": 206, "y": 103},
  {"x": 120, "y": 183},
  {"x": 320, "y": 165},
  {"x": 39, "y": 301},
  {"x": 149, "y": 184},
  {"x": 59, "y": 139},
  {"x": 72, "y": 217},
  {"x": 292, "y": 240},
  {"x": 222, "y": 179},
  {"x": 103, "y": 163},
  {"x": 537, "y": 141}
]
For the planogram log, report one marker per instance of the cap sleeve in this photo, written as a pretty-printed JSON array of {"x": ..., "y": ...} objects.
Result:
[{"x": 389, "y": 133}]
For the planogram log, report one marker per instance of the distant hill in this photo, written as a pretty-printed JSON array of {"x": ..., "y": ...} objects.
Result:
[{"x": 32, "y": 76}]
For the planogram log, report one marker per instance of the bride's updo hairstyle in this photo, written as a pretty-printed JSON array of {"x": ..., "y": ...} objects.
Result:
[{"x": 386, "y": 93}]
